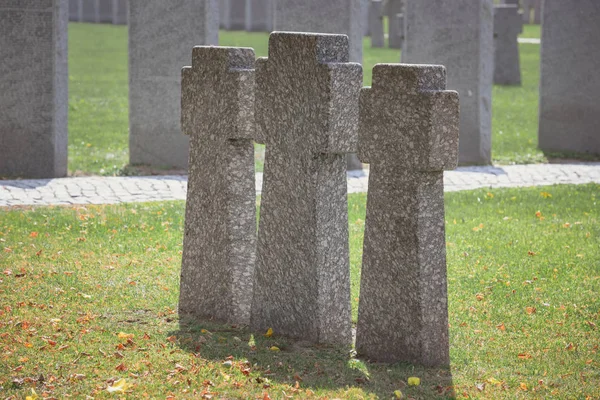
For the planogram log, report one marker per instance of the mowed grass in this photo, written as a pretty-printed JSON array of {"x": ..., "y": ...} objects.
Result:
[
  {"x": 98, "y": 98},
  {"x": 89, "y": 296}
]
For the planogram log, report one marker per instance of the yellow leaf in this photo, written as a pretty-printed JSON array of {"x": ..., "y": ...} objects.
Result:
[
  {"x": 523, "y": 386},
  {"x": 414, "y": 381},
  {"x": 274, "y": 348},
  {"x": 123, "y": 335},
  {"x": 269, "y": 333},
  {"x": 119, "y": 386},
  {"x": 398, "y": 394},
  {"x": 33, "y": 396}
]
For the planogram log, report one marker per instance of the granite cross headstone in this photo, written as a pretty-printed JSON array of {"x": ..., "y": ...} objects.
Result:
[
  {"x": 331, "y": 16},
  {"x": 307, "y": 110},
  {"x": 217, "y": 112},
  {"x": 408, "y": 132},
  {"x": 508, "y": 24}
]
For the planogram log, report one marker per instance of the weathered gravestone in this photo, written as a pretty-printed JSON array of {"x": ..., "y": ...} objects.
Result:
[
  {"x": 409, "y": 134},
  {"x": 161, "y": 34},
  {"x": 234, "y": 14},
  {"x": 569, "y": 81},
  {"x": 537, "y": 11},
  {"x": 74, "y": 10},
  {"x": 89, "y": 10},
  {"x": 331, "y": 16},
  {"x": 105, "y": 11},
  {"x": 376, "y": 23},
  {"x": 119, "y": 12},
  {"x": 307, "y": 110},
  {"x": 395, "y": 23},
  {"x": 217, "y": 111},
  {"x": 459, "y": 35},
  {"x": 33, "y": 88},
  {"x": 259, "y": 15},
  {"x": 527, "y": 11},
  {"x": 508, "y": 24}
]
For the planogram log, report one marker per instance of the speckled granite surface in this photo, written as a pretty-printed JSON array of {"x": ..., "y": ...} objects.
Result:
[
  {"x": 220, "y": 222},
  {"x": 307, "y": 111},
  {"x": 409, "y": 133}
]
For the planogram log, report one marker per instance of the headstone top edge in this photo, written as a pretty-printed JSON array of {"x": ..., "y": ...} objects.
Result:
[
  {"x": 234, "y": 58},
  {"x": 327, "y": 48},
  {"x": 409, "y": 77}
]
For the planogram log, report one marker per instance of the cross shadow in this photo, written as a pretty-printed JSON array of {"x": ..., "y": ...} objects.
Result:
[{"x": 315, "y": 367}]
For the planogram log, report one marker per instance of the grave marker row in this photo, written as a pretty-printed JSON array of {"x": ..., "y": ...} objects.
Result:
[{"x": 309, "y": 110}]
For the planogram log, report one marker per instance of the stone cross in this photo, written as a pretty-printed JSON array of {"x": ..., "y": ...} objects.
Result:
[
  {"x": 376, "y": 23},
  {"x": 33, "y": 88},
  {"x": 408, "y": 132},
  {"x": 217, "y": 112},
  {"x": 508, "y": 24},
  {"x": 307, "y": 109}
]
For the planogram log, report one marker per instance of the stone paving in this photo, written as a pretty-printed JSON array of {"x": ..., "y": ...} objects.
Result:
[{"x": 111, "y": 190}]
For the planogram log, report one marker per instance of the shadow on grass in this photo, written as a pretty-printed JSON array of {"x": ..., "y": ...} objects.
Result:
[{"x": 317, "y": 367}]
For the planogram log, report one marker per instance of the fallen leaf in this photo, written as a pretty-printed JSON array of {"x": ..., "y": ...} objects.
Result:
[
  {"x": 524, "y": 356},
  {"x": 501, "y": 327},
  {"x": 414, "y": 381},
  {"x": 530, "y": 310},
  {"x": 123, "y": 335},
  {"x": 119, "y": 386},
  {"x": 523, "y": 386},
  {"x": 479, "y": 296},
  {"x": 33, "y": 396},
  {"x": 33, "y": 235},
  {"x": 398, "y": 394},
  {"x": 121, "y": 367},
  {"x": 269, "y": 333},
  {"x": 274, "y": 348}
]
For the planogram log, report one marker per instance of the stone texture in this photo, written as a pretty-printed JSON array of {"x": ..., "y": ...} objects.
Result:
[
  {"x": 33, "y": 88},
  {"x": 161, "y": 35},
  {"x": 105, "y": 11},
  {"x": 119, "y": 12},
  {"x": 233, "y": 15},
  {"x": 569, "y": 82},
  {"x": 333, "y": 16},
  {"x": 307, "y": 109},
  {"x": 89, "y": 10},
  {"x": 408, "y": 132},
  {"x": 317, "y": 16},
  {"x": 459, "y": 35},
  {"x": 395, "y": 24},
  {"x": 376, "y": 23},
  {"x": 259, "y": 15},
  {"x": 508, "y": 24},
  {"x": 220, "y": 223}
]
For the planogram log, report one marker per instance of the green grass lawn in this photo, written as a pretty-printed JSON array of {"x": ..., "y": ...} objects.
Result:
[
  {"x": 98, "y": 103},
  {"x": 523, "y": 275}
]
